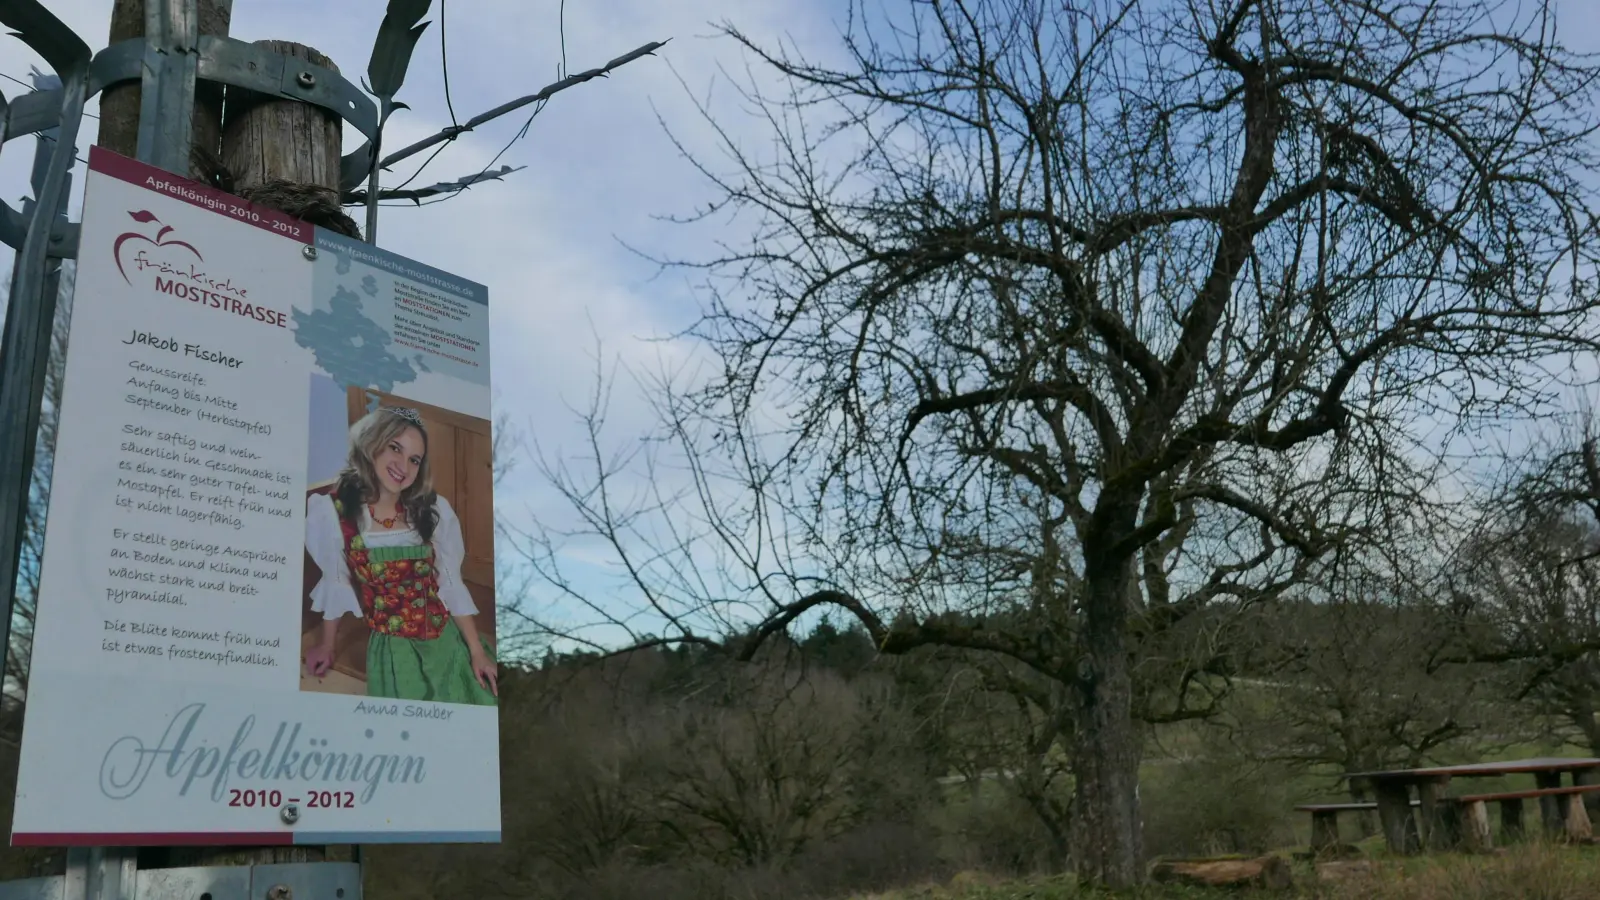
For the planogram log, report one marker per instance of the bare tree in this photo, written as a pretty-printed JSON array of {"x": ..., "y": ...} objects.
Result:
[
  {"x": 1363, "y": 688},
  {"x": 595, "y": 745},
  {"x": 1543, "y": 591},
  {"x": 1527, "y": 585},
  {"x": 515, "y": 642},
  {"x": 712, "y": 537},
  {"x": 781, "y": 759},
  {"x": 1116, "y": 313}
]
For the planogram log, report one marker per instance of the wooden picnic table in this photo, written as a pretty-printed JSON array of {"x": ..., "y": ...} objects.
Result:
[{"x": 1392, "y": 790}]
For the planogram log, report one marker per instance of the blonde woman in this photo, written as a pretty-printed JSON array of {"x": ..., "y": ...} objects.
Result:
[{"x": 390, "y": 552}]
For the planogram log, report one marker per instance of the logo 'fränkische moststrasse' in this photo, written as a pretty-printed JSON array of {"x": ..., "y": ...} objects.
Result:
[{"x": 167, "y": 259}]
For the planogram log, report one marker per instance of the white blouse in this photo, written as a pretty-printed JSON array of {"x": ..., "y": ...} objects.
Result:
[{"x": 334, "y": 596}]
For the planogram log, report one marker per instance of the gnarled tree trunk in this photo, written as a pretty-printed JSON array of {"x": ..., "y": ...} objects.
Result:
[{"x": 1108, "y": 844}]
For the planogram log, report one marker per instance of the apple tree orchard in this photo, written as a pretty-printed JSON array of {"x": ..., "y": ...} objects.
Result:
[{"x": 1111, "y": 313}]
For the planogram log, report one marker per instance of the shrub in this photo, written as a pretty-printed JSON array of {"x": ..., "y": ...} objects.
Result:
[{"x": 1212, "y": 805}]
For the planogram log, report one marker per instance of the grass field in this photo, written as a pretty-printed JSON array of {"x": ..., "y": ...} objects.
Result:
[{"x": 1527, "y": 872}]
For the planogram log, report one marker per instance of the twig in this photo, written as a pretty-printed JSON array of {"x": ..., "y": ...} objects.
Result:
[{"x": 544, "y": 93}]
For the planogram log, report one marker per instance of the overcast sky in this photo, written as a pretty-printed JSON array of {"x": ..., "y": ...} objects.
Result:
[
  {"x": 548, "y": 241},
  {"x": 600, "y": 169}
]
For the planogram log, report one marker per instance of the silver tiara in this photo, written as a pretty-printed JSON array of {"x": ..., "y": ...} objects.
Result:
[{"x": 407, "y": 413}]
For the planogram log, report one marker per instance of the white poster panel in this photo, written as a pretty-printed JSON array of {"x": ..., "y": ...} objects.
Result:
[{"x": 266, "y": 610}]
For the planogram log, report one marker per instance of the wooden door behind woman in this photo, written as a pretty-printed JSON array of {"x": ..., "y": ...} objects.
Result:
[{"x": 460, "y": 453}]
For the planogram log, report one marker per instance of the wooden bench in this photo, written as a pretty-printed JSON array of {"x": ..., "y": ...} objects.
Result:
[
  {"x": 1563, "y": 805},
  {"x": 1440, "y": 823},
  {"x": 1325, "y": 821}
]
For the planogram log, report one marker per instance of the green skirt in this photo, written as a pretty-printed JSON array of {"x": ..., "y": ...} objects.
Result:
[{"x": 439, "y": 670}]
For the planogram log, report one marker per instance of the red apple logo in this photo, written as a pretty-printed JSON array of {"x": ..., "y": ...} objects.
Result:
[{"x": 145, "y": 217}]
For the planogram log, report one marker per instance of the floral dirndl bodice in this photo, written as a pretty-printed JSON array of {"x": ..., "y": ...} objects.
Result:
[{"x": 398, "y": 586}]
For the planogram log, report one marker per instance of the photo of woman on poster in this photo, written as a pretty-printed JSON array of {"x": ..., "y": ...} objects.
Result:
[{"x": 390, "y": 550}]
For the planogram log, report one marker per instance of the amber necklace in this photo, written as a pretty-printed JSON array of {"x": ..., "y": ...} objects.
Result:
[{"x": 399, "y": 513}]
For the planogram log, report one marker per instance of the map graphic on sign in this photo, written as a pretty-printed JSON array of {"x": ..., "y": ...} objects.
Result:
[
  {"x": 266, "y": 609},
  {"x": 349, "y": 346}
]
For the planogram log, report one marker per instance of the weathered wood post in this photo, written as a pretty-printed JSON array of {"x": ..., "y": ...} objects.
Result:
[
  {"x": 1479, "y": 837},
  {"x": 1551, "y": 808},
  {"x": 1324, "y": 831},
  {"x": 119, "y": 103},
  {"x": 1584, "y": 778},
  {"x": 274, "y": 152},
  {"x": 283, "y": 153},
  {"x": 119, "y": 132},
  {"x": 1430, "y": 806},
  {"x": 1578, "y": 828},
  {"x": 1394, "y": 812}
]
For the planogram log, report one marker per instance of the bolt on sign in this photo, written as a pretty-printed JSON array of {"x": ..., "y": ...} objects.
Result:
[{"x": 266, "y": 607}]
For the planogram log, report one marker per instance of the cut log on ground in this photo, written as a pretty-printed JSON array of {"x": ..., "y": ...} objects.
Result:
[{"x": 1268, "y": 872}]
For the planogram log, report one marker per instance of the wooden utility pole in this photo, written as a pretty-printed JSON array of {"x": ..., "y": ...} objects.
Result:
[
  {"x": 264, "y": 140},
  {"x": 274, "y": 152},
  {"x": 285, "y": 154},
  {"x": 119, "y": 104}
]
